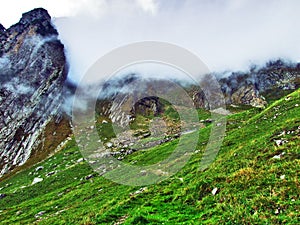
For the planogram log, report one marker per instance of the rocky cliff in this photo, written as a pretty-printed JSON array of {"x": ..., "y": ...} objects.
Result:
[
  {"x": 239, "y": 88},
  {"x": 250, "y": 87},
  {"x": 32, "y": 74}
]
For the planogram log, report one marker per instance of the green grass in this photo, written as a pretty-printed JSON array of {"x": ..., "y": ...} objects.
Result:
[{"x": 251, "y": 187}]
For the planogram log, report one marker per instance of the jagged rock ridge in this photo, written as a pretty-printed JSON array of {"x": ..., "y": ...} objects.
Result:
[
  {"x": 240, "y": 88},
  {"x": 32, "y": 74}
]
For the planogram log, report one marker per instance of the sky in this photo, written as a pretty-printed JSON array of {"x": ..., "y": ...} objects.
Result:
[{"x": 224, "y": 34}]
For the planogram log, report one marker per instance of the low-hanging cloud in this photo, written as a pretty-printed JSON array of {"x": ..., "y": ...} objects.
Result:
[{"x": 225, "y": 34}]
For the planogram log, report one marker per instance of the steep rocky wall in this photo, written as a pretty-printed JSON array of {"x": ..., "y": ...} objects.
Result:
[{"x": 32, "y": 74}]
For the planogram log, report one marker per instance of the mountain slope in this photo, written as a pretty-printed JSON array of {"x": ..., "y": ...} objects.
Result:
[{"x": 255, "y": 180}]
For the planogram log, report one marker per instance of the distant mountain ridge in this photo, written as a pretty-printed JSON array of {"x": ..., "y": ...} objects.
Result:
[{"x": 238, "y": 88}]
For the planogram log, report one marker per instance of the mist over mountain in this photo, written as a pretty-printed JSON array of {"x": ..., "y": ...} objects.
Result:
[{"x": 226, "y": 35}]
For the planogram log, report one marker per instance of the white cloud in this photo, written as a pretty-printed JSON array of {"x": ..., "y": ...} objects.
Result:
[
  {"x": 11, "y": 11},
  {"x": 225, "y": 34},
  {"x": 150, "y": 6}
]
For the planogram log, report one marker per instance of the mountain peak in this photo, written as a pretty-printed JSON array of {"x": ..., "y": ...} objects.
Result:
[
  {"x": 2, "y": 28},
  {"x": 38, "y": 14},
  {"x": 38, "y": 18}
]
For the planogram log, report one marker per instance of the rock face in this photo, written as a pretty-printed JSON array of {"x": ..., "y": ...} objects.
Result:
[
  {"x": 32, "y": 74},
  {"x": 238, "y": 88},
  {"x": 119, "y": 101},
  {"x": 248, "y": 88}
]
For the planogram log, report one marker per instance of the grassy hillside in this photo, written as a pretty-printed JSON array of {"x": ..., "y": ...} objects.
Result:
[{"x": 254, "y": 180}]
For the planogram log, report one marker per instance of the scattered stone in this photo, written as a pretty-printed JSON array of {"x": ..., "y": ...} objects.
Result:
[
  {"x": 177, "y": 135},
  {"x": 121, "y": 220},
  {"x": 277, "y": 211},
  {"x": 2, "y": 196},
  {"x": 80, "y": 160},
  {"x": 279, "y": 156},
  {"x": 181, "y": 179},
  {"x": 40, "y": 214},
  {"x": 282, "y": 177},
  {"x": 160, "y": 172},
  {"x": 36, "y": 180},
  {"x": 50, "y": 173},
  {"x": 146, "y": 135},
  {"x": 39, "y": 168},
  {"x": 276, "y": 156},
  {"x": 278, "y": 142},
  {"x": 141, "y": 190},
  {"x": 89, "y": 176},
  {"x": 214, "y": 191},
  {"x": 104, "y": 121},
  {"x": 296, "y": 105},
  {"x": 109, "y": 144},
  {"x": 19, "y": 213},
  {"x": 143, "y": 172}
]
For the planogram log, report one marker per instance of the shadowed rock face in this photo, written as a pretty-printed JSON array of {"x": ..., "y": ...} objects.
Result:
[
  {"x": 32, "y": 74},
  {"x": 2, "y": 29}
]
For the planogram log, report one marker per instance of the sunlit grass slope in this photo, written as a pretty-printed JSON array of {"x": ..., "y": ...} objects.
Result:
[{"x": 255, "y": 180}]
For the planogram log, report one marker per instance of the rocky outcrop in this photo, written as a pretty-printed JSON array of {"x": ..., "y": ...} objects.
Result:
[
  {"x": 248, "y": 88},
  {"x": 120, "y": 101},
  {"x": 247, "y": 95},
  {"x": 238, "y": 88},
  {"x": 32, "y": 74}
]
